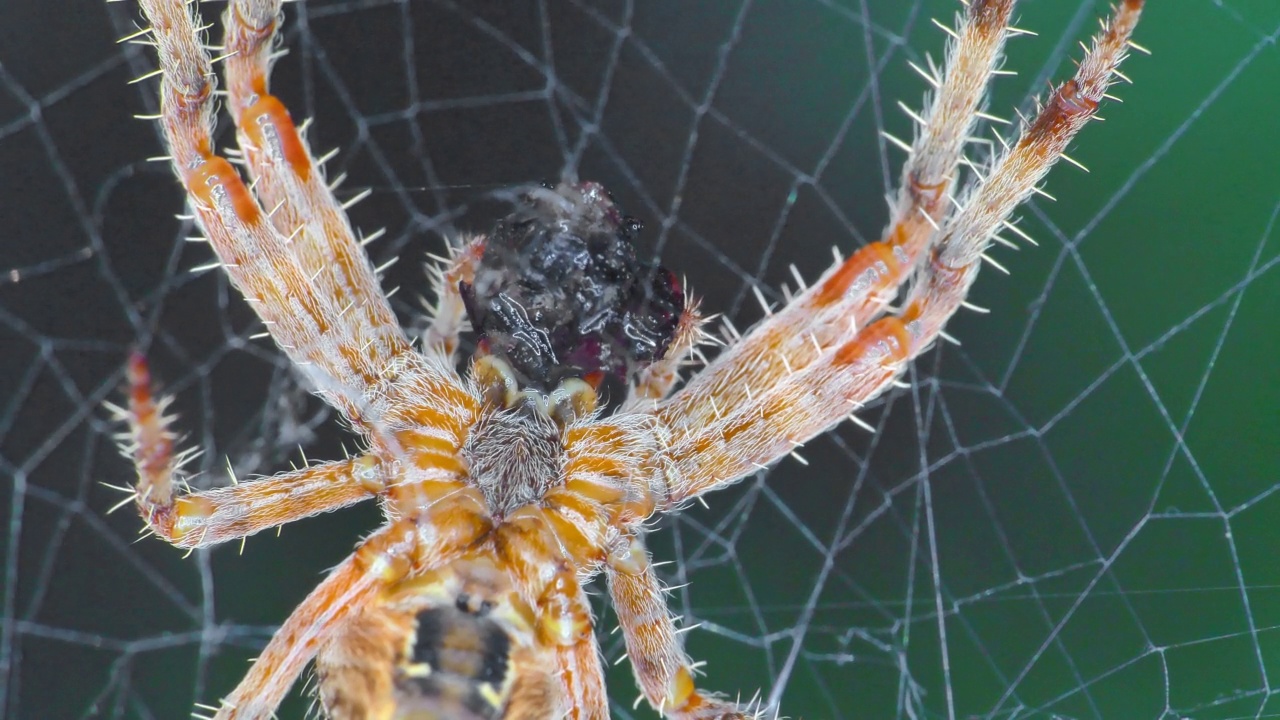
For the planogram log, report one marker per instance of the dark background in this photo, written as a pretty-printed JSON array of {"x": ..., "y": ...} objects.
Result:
[{"x": 1083, "y": 491}]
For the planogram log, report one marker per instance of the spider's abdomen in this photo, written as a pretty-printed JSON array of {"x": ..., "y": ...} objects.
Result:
[
  {"x": 457, "y": 667},
  {"x": 560, "y": 293}
]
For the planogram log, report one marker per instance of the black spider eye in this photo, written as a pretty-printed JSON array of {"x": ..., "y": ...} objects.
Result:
[{"x": 560, "y": 293}]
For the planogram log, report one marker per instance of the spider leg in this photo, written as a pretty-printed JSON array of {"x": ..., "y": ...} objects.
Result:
[
  {"x": 287, "y": 180},
  {"x": 226, "y": 513},
  {"x": 946, "y": 126},
  {"x": 944, "y": 280},
  {"x": 663, "y": 670},
  {"x": 308, "y": 325},
  {"x": 858, "y": 289},
  {"x": 798, "y": 373},
  {"x": 410, "y": 546},
  {"x": 526, "y": 545}
]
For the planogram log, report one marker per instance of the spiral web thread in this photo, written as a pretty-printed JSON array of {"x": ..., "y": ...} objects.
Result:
[{"x": 1071, "y": 514}]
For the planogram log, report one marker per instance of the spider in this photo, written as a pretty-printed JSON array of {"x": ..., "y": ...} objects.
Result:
[{"x": 536, "y": 468}]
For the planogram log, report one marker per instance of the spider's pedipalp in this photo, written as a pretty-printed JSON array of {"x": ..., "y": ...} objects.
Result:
[
  {"x": 449, "y": 316},
  {"x": 655, "y": 381}
]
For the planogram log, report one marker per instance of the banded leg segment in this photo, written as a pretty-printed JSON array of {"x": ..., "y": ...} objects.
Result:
[
  {"x": 287, "y": 180},
  {"x": 548, "y": 582},
  {"x": 756, "y": 410},
  {"x": 845, "y": 374},
  {"x": 257, "y": 257},
  {"x": 930, "y": 172},
  {"x": 410, "y": 546},
  {"x": 663, "y": 670},
  {"x": 201, "y": 519},
  {"x": 233, "y": 512},
  {"x": 944, "y": 280},
  {"x": 855, "y": 291}
]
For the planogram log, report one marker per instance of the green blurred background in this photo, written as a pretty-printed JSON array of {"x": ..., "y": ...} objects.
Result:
[{"x": 1082, "y": 491}]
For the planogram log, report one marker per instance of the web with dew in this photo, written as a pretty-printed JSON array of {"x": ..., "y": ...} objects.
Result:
[{"x": 1070, "y": 514}]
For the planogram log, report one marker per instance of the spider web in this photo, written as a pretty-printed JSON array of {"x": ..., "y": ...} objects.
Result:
[{"x": 1071, "y": 515}]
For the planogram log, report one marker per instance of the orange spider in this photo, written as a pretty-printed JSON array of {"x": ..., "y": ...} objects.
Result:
[{"x": 514, "y": 477}]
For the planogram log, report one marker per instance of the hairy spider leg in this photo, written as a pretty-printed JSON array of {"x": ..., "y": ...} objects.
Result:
[
  {"x": 305, "y": 324},
  {"x": 232, "y": 512},
  {"x": 945, "y": 127},
  {"x": 862, "y": 286},
  {"x": 952, "y": 266},
  {"x": 662, "y": 668},
  {"x": 797, "y": 374},
  {"x": 303, "y": 208},
  {"x": 526, "y": 545},
  {"x": 410, "y": 546},
  {"x": 307, "y": 327}
]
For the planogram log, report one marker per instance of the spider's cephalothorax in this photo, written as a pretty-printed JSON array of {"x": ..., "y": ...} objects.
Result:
[
  {"x": 515, "y": 451},
  {"x": 559, "y": 292},
  {"x": 509, "y": 478}
]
